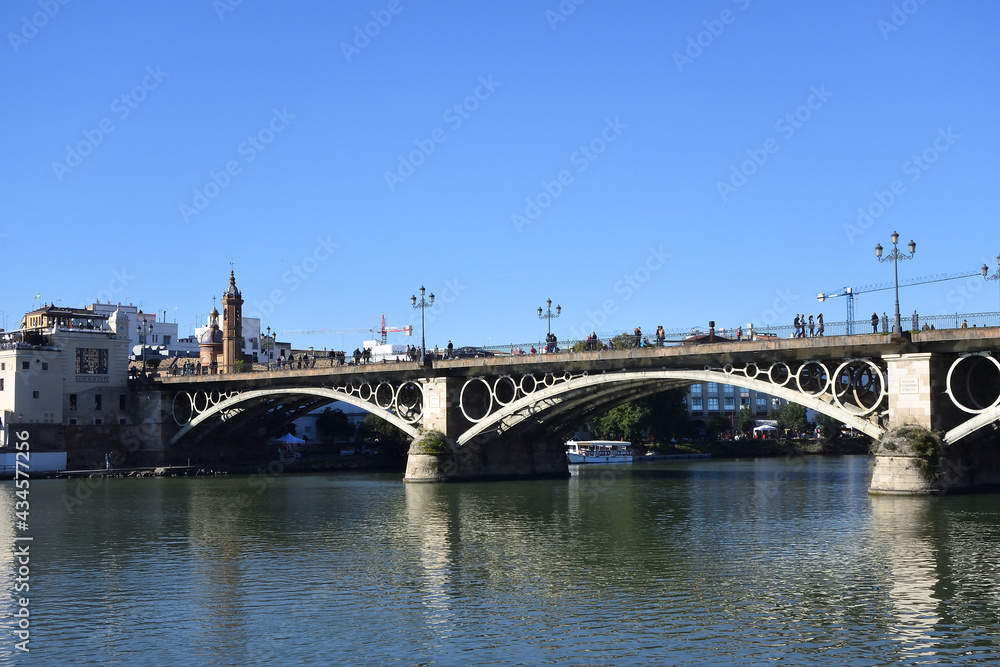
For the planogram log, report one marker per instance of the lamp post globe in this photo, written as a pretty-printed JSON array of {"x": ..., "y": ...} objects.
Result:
[
  {"x": 423, "y": 304},
  {"x": 895, "y": 257}
]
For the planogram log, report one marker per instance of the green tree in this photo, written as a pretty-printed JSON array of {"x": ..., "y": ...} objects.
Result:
[
  {"x": 624, "y": 341},
  {"x": 792, "y": 416},
  {"x": 747, "y": 420},
  {"x": 392, "y": 443},
  {"x": 334, "y": 424},
  {"x": 625, "y": 421},
  {"x": 831, "y": 427},
  {"x": 717, "y": 425}
]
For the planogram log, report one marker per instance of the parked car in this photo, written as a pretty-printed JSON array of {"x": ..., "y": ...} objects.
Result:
[{"x": 470, "y": 353}]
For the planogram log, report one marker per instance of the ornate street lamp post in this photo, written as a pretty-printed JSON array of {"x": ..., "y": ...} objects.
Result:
[
  {"x": 986, "y": 270},
  {"x": 422, "y": 305},
  {"x": 548, "y": 313},
  {"x": 268, "y": 344},
  {"x": 895, "y": 256},
  {"x": 141, "y": 330}
]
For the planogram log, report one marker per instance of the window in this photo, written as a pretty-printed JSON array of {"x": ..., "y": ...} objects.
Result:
[
  {"x": 25, "y": 365},
  {"x": 1, "y": 384},
  {"x": 762, "y": 404},
  {"x": 121, "y": 421},
  {"x": 713, "y": 404},
  {"x": 713, "y": 387},
  {"x": 72, "y": 401},
  {"x": 72, "y": 421},
  {"x": 727, "y": 389},
  {"x": 696, "y": 390},
  {"x": 98, "y": 421},
  {"x": 121, "y": 402},
  {"x": 34, "y": 394},
  {"x": 696, "y": 405},
  {"x": 45, "y": 365},
  {"x": 3, "y": 366},
  {"x": 166, "y": 340},
  {"x": 729, "y": 403},
  {"x": 98, "y": 401}
]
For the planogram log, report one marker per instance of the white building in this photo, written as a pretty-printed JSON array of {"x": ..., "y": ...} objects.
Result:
[{"x": 64, "y": 367}]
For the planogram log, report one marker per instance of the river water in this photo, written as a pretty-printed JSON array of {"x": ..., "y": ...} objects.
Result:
[{"x": 698, "y": 562}]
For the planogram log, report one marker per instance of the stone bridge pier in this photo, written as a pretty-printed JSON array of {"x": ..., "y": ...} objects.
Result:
[
  {"x": 942, "y": 431},
  {"x": 440, "y": 453}
]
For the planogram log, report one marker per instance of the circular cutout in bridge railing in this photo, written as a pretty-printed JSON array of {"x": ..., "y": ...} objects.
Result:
[
  {"x": 384, "y": 395},
  {"x": 974, "y": 383},
  {"x": 504, "y": 390},
  {"x": 476, "y": 399},
  {"x": 858, "y": 386},
  {"x": 528, "y": 384},
  {"x": 779, "y": 373},
  {"x": 409, "y": 402},
  {"x": 812, "y": 378},
  {"x": 184, "y": 411}
]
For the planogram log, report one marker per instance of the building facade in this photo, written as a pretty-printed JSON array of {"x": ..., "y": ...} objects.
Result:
[{"x": 65, "y": 367}]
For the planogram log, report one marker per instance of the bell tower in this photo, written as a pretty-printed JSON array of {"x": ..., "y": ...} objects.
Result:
[{"x": 232, "y": 325}]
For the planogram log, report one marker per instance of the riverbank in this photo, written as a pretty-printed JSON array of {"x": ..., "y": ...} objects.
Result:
[{"x": 733, "y": 449}]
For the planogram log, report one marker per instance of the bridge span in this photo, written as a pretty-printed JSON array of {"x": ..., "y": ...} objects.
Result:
[{"x": 504, "y": 417}]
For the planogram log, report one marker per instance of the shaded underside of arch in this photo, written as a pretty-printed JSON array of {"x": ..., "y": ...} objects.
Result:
[
  {"x": 563, "y": 403},
  {"x": 290, "y": 403}
]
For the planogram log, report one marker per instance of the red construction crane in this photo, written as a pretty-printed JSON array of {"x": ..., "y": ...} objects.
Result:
[{"x": 383, "y": 331}]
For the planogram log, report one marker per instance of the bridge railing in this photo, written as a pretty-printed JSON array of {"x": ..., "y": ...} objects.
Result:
[{"x": 605, "y": 341}]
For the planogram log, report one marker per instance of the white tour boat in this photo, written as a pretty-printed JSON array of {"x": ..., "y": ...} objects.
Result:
[{"x": 598, "y": 451}]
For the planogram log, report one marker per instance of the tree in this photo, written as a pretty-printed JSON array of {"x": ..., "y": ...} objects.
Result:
[
  {"x": 792, "y": 416},
  {"x": 392, "y": 442},
  {"x": 625, "y": 421},
  {"x": 831, "y": 427},
  {"x": 334, "y": 424},
  {"x": 746, "y": 421},
  {"x": 718, "y": 424}
]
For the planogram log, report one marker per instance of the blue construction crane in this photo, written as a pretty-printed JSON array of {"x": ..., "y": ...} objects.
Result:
[{"x": 853, "y": 292}]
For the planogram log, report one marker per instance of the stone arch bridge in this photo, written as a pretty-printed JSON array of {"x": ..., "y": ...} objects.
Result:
[{"x": 504, "y": 417}]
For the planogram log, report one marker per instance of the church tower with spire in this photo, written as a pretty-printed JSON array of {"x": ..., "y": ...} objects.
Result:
[{"x": 232, "y": 325}]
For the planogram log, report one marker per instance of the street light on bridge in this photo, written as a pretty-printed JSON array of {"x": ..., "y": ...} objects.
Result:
[
  {"x": 141, "y": 330},
  {"x": 986, "y": 270},
  {"x": 548, "y": 314},
  {"x": 895, "y": 256},
  {"x": 267, "y": 344},
  {"x": 422, "y": 305}
]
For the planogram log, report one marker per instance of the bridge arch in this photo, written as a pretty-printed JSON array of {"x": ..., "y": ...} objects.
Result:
[
  {"x": 233, "y": 404},
  {"x": 551, "y": 399}
]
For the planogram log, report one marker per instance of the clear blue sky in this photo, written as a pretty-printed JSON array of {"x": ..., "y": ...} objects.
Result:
[{"x": 345, "y": 178}]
